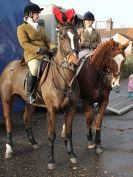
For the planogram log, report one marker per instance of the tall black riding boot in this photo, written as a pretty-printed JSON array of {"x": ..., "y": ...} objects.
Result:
[{"x": 31, "y": 81}]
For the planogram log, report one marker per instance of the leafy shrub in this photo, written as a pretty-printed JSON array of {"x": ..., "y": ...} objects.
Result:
[{"x": 128, "y": 67}]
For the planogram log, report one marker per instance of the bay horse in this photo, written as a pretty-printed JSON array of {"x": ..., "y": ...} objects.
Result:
[
  {"x": 99, "y": 74},
  {"x": 55, "y": 90}
]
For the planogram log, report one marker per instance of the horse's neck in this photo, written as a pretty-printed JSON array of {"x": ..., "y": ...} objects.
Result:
[
  {"x": 59, "y": 56},
  {"x": 99, "y": 58},
  {"x": 62, "y": 72}
]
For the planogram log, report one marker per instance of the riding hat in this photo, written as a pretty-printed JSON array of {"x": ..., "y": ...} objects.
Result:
[
  {"x": 88, "y": 16},
  {"x": 31, "y": 7}
]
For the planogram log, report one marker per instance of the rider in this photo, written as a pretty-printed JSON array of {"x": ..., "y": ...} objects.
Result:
[
  {"x": 33, "y": 39},
  {"x": 89, "y": 37}
]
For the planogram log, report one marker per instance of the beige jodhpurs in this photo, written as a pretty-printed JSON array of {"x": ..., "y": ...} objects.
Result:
[
  {"x": 34, "y": 66},
  {"x": 84, "y": 52}
]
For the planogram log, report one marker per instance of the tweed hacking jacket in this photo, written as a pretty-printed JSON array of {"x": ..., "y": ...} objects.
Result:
[
  {"x": 93, "y": 39},
  {"x": 31, "y": 40}
]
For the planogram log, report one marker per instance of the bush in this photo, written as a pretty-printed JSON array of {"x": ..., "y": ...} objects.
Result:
[{"x": 128, "y": 67}]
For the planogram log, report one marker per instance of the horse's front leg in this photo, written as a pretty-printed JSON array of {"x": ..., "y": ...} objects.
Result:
[
  {"x": 29, "y": 109},
  {"x": 88, "y": 115},
  {"x": 98, "y": 124},
  {"x": 51, "y": 118},
  {"x": 8, "y": 123},
  {"x": 68, "y": 135}
]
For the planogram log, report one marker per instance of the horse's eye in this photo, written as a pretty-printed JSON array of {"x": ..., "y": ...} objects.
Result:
[{"x": 61, "y": 35}]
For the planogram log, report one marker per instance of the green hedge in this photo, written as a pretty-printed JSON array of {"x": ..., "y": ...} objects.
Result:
[{"x": 128, "y": 67}]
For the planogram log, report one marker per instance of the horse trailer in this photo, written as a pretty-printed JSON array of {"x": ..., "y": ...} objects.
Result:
[{"x": 48, "y": 20}]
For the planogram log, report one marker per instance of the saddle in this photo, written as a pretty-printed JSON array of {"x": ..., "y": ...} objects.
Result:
[
  {"x": 41, "y": 69},
  {"x": 41, "y": 77}
]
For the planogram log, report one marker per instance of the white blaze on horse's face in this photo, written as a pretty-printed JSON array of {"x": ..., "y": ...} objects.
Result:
[
  {"x": 74, "y": 57},
  {"x": 119, "y": 59},
  {"x": 115, "y": 83},
  {"x": 71, "y": 36}
]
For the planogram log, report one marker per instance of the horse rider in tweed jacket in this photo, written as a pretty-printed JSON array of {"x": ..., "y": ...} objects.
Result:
[
  {"x": 89, "y": 37},
  {"x": 35, "y": 43}
]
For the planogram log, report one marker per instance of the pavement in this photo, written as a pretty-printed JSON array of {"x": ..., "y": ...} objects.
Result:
[{"x": 115, "y": 161}]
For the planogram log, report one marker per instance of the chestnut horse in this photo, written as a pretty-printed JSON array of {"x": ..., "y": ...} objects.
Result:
[
  {"x": 56, "y": 90},
  {"x": 99, "y": 74}
]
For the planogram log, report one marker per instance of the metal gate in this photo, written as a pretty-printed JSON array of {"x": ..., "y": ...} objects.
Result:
[{"x": 104, "y": 28}]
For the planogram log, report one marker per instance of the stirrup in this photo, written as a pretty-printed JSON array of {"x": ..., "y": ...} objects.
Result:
[{"x": 31, "y": 99}]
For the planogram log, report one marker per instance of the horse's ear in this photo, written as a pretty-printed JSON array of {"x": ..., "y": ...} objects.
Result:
[
  {"x": 123, "y": 47},
  {"x": 75, "y": 20},
  {"x": 111, "y": 41}
]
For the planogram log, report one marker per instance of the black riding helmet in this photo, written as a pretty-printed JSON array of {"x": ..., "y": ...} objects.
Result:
[
  {"x": 88, "y": 16},
  {"x": 31, "y": 7}
]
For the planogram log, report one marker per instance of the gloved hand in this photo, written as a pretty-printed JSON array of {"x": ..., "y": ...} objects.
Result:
[
  {"x": 43, "y": 51},
  {"x": 52, "y": 52},
  {"x": 85, "y": 45},
  {"x": 93, "y": 46}
]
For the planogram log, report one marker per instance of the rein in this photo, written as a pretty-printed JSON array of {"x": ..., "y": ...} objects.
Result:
[
  {"x": 65, "y": 27},
  {"x": 68, "y": 89},
  {"x": 106, "y": 74},
  {"x": 69, "y": 68},
  {"x": 78, "y": 71},
  {"x": 62, "y": 66}
]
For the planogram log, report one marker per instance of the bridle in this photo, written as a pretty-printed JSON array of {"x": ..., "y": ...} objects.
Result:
[
  {"x": 107, "y": 73},
  {"x": 65, "y": 65},
  {"x": 67, "y": 54}
]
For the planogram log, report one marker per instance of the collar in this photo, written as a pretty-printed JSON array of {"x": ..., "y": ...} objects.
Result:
[
  {"x": 89, "y": 30},
  {"x": 32, "y": 23}
]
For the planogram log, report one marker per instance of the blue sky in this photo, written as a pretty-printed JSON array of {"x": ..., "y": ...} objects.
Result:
[{"x": 119, "y": 10}]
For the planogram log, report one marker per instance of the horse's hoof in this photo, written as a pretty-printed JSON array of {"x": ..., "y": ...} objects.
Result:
[
  {"x": 51, "y": 166},
  {"x": 91, "y": 145},
  {"x": 99, "y": 149},
  {"x": 8, "y": 155},
  {"x": 36, "y": 146},
  {"x": 74, "y": 160}
]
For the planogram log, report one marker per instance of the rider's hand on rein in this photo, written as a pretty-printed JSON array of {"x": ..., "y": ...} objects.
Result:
[{"x": 43, "y": 51}]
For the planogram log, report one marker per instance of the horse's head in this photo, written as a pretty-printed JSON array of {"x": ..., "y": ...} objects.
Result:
[
  {"x": 68, "y": 39},
  {"x": 119, "y": 58},
  {"x": 68, "y": 44},
  {"x": 109, "y": 58}
]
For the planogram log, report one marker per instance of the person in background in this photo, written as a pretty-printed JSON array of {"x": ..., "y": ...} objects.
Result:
[
  {"x": 35, "y": 43},
  {"x": 89, "y": 37},
  {"x": 130, "y": 86}
]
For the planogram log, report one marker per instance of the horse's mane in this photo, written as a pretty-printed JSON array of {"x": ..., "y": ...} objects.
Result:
[
  {"x": 103, "y": 54},
  {"x": 98, "y": 52}
]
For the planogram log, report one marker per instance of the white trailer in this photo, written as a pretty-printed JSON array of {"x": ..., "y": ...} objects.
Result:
[{"x": 47, "y": 19}]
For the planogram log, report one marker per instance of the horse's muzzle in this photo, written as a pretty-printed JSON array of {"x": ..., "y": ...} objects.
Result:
[
  {"x": 116, "y": 89},
  {"x": 115, "y": 82}
]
